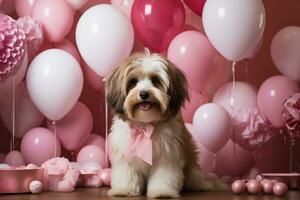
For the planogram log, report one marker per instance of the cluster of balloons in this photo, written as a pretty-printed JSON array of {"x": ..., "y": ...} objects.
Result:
[{"x": 87, "y": 39}]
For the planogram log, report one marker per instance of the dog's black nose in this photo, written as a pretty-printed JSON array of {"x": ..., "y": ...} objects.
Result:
[{"x": 144, "y": 95}]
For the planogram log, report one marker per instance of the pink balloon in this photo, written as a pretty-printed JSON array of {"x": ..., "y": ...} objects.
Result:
[
  {"x": 56, "y": 16},
  {"x": 7, "y": 6},
  {"x": 206, "y": 158},
  {"x": 24, "y": 7},
  {"x": 38, "y": 145},
  {"x": 93, "y": 79},
  {"x": 285, "y": 49},
  {"x": 196, "y": 100},
  {"x": 123, "y": 5},
  {"x": 271, "y": 96},
  {"x": 213, "y": 126},
  {"x": 14, "y": 159},
  {"x": 76, "y": 4},
  {"x": 27, "y": 116},
  {"x": 96, "y": 140},
  {"x": 91, "y": 153},
  {"x": 105, "y": 176},
  {"x": 68, "y": 47},
  {"x": 194, "y": 55},
  {"x": 233, "y": 160},
  {"x": 74, "y": 128}
]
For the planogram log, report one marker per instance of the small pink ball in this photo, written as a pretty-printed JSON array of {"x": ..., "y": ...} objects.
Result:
[
  {"x": 238, "y": 186},
  {"x": 105, "y": 176},
  {"x": 267, "y": 186},
  {"x": 280, "y": 189},
  {"x": 254, "y": 186}
]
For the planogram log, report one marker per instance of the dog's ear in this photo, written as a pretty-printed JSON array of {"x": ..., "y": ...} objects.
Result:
[
  {"x": 178, "y": 89},
  {"x": 114, "y": 94}
]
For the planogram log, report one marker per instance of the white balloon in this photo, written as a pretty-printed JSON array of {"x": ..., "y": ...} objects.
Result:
[
  {"x": 27, "y": 116},
  {"x": 104, "y": 36},
  {"x": 234, "y": 27},
  {"x": 54, "y": 82},
  {"x": 285, "y": 52},
  {"x": 76, "y": 4}
]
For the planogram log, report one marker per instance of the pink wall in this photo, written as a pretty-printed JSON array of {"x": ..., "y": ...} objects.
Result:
[{"x": 280, "y": 13}]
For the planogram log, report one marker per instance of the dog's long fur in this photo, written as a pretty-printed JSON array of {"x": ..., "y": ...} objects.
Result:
[{"x": 174, "y": 153}]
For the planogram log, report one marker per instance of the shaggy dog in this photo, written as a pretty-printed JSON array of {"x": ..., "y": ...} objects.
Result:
[{"x": 152, "y": 151}]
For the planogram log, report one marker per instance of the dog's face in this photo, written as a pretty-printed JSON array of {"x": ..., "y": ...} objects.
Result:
[{"x": 146, "y": 88}]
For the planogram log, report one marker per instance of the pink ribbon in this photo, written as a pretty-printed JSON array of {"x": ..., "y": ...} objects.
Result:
[{"x": 140, "y": 144}]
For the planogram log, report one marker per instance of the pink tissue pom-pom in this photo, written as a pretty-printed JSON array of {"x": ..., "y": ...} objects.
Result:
[
  {"x": 12, "y": 46},
  {"x": 33, "y": 32},
  {"x": 57, "y": 166}
]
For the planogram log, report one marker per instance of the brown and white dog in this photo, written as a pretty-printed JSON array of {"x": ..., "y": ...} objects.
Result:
[{"x": 149, "y": 89}]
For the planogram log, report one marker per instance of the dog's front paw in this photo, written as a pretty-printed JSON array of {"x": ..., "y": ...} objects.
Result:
[
  {"x": 165, "y": 193},
  {"x": 122, "y": 193}
]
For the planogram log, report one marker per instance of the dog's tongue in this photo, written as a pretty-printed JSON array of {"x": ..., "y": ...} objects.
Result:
[{"x": 144, "y": 106}]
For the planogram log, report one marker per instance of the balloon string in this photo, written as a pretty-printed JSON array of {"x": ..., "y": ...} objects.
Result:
[
  {"x": 14, "y": 113},
  {"x": 246, "y": 70},
  {"x": 215, "y": 163},
  {"x": 232, "y": 98},
  {"x": 106, "y": 125},
  {"x": 292, "y": 144},
  {"x": 55, "y": 140}
]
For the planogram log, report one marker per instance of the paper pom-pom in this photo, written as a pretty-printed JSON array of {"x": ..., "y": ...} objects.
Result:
[
  {"x": 291, "y": 114},
  {"x": 12, "y": 46}
]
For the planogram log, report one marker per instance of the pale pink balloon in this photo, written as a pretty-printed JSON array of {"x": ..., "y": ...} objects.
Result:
[
  {"x": 196, "y": 100},
  {"x": 96, "y": 140},
  {"x": 76, "y": 4},
  {"x": 24, "y": 7},
  {"x": 68, "y": 47},
  {"x": 233, "y": 160},
  {"x": 14, "y": 159},
  {"x": 38, "y": 145},
  {"x": 56, "y": 16},
  {"x": 213, "y": 126},
  {"x": 194, "y": 55},
  {"x": 27, "y": 116},
  {"x": 206, "y": 158},
  {"x": 93, "y": 79},
  {"x": 123, "y": 5},
  {"x": 271, "y": 96},
  {"x": 2, "y": 157},
  {"x": 105, "y": 176},
  {"x": 74, "y": 128},
  {"x": 91, "y": 153}
]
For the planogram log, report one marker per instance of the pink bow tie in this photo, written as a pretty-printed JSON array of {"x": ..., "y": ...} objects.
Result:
[{"x": 140, "y": 144}]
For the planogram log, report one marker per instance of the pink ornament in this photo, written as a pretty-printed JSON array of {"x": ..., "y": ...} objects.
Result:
[
  {"x": 267, "y": 186},
  {"x": 280, "y": 189},
  {"x": 254, "y": 186},
  {"x": 15, "y": 159},
  {"x": 238, "y": 186},
  {"x": 105, "y": 176},
  {"x": 12, "y": 46},
  {"x": 74, "y": 128},
  {"x": 291, "y": 114},
  {"x": 91, "y": 153}
]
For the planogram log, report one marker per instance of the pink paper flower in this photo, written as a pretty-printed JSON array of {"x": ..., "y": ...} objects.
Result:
[{"x": 12, "y": 46}]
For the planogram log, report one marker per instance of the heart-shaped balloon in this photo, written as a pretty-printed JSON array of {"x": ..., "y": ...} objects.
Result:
[
  {"x": 157, "y": 22},
  {"x": 195, "y": 5},
  {"x": 74, "y": 129},
  {"x": 27, "y": 115}
]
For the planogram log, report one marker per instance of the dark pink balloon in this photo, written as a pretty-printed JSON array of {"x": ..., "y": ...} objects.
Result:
[
  {"x": 271, "y": 96},
  {"x": 157, "y": 22},
  {"x": 195, "y": 5}
]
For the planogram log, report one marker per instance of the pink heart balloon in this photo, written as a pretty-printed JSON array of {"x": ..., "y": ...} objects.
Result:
[
  {"x": 27, "y": 115},
  {"x": 73, "y": 129}
]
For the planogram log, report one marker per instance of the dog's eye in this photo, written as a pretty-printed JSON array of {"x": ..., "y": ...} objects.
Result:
[
  {"x": 155, "y": 80},
  {"x": 132, "y": 82}
]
